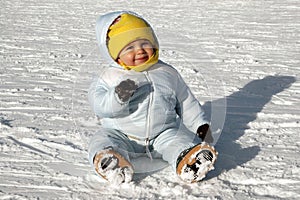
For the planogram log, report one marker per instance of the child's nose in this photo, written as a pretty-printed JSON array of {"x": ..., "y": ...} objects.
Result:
[{"x": 140, "y": 50}]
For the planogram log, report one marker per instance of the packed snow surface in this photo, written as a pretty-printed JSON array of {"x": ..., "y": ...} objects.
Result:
[{"x": 240, "y": 58}]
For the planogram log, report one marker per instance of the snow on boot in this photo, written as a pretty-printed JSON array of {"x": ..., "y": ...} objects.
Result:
[
  {"x": 113, "y": 167},
  {"x": 194, "y": 163}
]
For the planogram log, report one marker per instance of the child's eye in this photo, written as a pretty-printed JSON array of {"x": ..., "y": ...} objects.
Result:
[
  {"x": 147, "y": 45},
  {"x": 129, "y": 48}
]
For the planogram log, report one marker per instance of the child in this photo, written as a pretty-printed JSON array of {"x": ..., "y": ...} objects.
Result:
[{"x": 144, "y": 106}]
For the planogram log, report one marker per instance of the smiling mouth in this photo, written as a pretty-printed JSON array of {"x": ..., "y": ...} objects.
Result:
[{"x": 142, "y": 58}]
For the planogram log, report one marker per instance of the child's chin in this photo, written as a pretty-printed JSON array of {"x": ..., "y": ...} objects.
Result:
[{"x": 139, "y": 63}]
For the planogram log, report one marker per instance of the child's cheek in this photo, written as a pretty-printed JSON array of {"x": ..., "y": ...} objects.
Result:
[{"x": 129, "y": 59}]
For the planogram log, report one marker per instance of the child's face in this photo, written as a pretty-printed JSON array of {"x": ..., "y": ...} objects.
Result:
[{"x": 136, "y": 53}]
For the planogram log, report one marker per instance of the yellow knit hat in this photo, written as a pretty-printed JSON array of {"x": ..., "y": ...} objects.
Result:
[{"x": 127, "y": 29}]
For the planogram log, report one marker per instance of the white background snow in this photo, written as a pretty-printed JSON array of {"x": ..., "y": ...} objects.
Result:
[{"x": 245, "y": 51}]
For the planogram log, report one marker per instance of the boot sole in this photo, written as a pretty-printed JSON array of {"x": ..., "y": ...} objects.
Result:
[
  {"x": 121, "y": 162},
  {"x": 191, "y": 158}
]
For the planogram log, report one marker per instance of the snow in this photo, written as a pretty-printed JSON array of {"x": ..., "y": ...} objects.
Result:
[{"x": 246, "y": 51}]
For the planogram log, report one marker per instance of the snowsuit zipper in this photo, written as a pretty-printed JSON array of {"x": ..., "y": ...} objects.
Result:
[{"x": 148, "y": 124}]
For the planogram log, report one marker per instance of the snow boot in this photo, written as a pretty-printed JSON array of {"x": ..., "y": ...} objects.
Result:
[
  {"x": 194, "y": 163},
  {"x": 113, "y": 167}
]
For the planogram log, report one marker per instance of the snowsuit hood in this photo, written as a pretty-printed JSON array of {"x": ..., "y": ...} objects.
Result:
[{"x": 102, "y": 26}]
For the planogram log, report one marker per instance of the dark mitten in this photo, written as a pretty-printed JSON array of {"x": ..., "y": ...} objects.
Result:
[
  {"x": 125, "y": 89},
  {"x": 205, "y": 134}
]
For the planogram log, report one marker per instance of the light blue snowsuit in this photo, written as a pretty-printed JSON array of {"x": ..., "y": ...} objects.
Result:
[{"x": 161, "y": 117}]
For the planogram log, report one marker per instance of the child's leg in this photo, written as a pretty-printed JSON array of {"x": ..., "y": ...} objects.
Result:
[
  {"x": 109, "y": 138},
  {"x": 109, "y": 155},
  {"x": 172, "y": 142},
  {"x": 182, "y": 149}
]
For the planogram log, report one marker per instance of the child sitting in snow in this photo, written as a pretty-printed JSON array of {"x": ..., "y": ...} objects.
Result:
[{"x": 144, "y": 105}]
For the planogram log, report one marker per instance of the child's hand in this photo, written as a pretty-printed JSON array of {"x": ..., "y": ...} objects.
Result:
[
  {"x": 125, "y": 89},
  {"x": 205, "y": 134}
]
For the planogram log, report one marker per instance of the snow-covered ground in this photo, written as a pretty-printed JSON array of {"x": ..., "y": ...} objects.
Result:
[{"x": 245, "y": 51}]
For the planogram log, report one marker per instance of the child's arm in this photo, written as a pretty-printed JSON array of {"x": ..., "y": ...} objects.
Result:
[
  {"x": 190, "y": 110},
  {"x": 109, "y": 101}
]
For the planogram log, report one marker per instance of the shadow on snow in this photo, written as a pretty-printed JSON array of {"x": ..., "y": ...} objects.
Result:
[{"x": 242, "y": 108}]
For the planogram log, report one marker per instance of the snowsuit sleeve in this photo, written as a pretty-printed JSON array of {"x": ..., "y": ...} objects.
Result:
[
  {"x": 103, "y": 99},
  {"x": 188, "y": 107}
]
